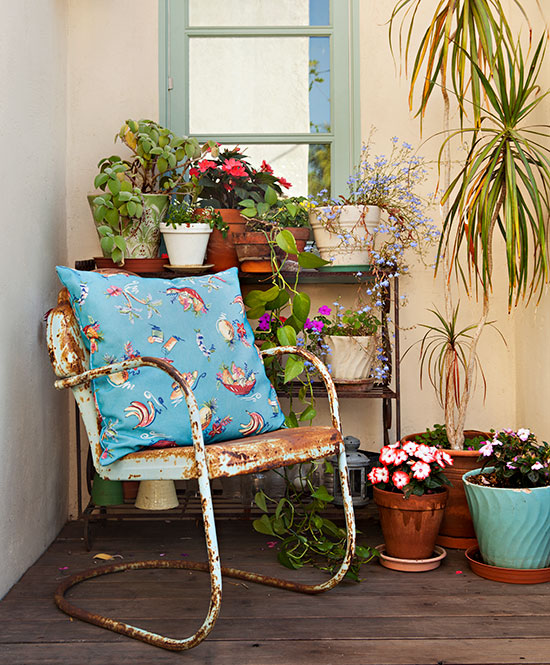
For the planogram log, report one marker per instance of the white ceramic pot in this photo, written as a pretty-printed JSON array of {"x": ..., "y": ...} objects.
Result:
[
  {"x": 346, "y": 239},
  {"x": 350, "y": 358},
  {"x": 186, "y": 244}
]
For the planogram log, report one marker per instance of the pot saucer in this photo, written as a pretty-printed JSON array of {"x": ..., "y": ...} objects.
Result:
[
  {"x": 509, "y": 575},
  {"x": 192, "y": 269},
  {"x": 411, "y": 565}
]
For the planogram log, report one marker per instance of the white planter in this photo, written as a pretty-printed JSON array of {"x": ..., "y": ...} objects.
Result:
[
  {"x": 186, "y": 244},
  {"x": 350, "y": 358},
  {"x": 349, "y": 245}
]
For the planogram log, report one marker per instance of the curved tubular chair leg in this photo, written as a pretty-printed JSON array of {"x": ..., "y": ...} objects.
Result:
[{"x": 213, "y": 566}]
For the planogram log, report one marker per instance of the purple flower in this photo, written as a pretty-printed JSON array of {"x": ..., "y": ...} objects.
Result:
[
  {"x": 318, "y": 325},
  {"x": 264, "y": 322},
  {"x": 324, "y": 310}
]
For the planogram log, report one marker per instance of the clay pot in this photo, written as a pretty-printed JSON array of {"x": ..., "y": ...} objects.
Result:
[
  {"x": 139, "y": 266},
  {"x": 254, "y": 245},
  {"x": 457, "y": 528},
  {"x": 221, "y": 251},
  {"x": 410, "y": 526}
]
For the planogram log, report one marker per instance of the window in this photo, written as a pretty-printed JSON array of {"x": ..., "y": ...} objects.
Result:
[{"x": 276, "y": 77}]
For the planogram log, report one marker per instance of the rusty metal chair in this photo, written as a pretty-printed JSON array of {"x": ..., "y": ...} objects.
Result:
[{"x": 203, "y": 462}]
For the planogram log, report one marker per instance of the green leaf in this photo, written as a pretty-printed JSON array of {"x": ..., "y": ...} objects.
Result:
[
  {"x": 255, "y": 312},
  {"x": 259, "y": 499},
  {"x": 291, "y": 420},
  {"x": 162, "y": 164},
  {"x": 248, "y": 203},
  {"x": 263, "y": 208},
  {"x": 132, "y": 207},
  {"x": 100, "y": 179},
  {"x": 112, "y": 217},
  {"x": 107, "y": 244},
  {"x": 301, "y": 306},
  {"x": 294, "y": 367},
  {"x": 287, "y": 561},
  {"x": 249, "y": 212},
  {"x": 286, "y": 336},
  {"x": 270, "y": 196},
  {"x": 308, "y": 414},
  {"x": 99, "y": 213},
  {"x": 114, "y": 186},
  {"x": 120, "y": 243},
  {"x": 322, "y": 494},
  {"x": 286, "y": 241},
  {"x": 117, "y": 255},
  {"x": 281, "y": 300},
  {"x": 124, "y": 196},
  {"x": 309, "y": 260},
  {"x": 263, "y": 525}
]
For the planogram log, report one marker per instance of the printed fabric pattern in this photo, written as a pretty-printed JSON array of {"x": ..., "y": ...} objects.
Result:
[{"x": 198, "y": 325}]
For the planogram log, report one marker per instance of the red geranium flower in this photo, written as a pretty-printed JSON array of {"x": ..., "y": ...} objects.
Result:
[
  {"x": 206, "y": 164},
  {"x": 284, "y": 183},
  {"x": 194, "y": 172},
  {"x": 234, "y": 168},
  {"x": 265, "y": 168}
]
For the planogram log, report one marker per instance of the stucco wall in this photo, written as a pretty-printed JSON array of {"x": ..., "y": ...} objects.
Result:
[{"x": 33, "y": 418}]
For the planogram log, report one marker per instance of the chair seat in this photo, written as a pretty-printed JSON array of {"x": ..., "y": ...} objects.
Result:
[{"x": 229, "y": 458}]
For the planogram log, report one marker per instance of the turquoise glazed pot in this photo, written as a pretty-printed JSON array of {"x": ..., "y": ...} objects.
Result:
[{"x": 512, "y": 525}]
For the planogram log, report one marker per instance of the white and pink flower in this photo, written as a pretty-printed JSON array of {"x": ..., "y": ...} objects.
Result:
[
  {"x": 379, "y": 474},
  {"x": 425, "y": 453},
  {"x": 400, "y": 457},
  {"x": 443, "y": 458},
  {"x": 420, "y": 470},
  {"x": 400, "y": 479},
  {"x": 486, "y": 449},
  {"x": 410, "y": 447},
  {"x": 387, "y": 455}
]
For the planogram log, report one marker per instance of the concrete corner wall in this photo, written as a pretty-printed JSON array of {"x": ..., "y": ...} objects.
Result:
[{"x": 33, "y": 418}]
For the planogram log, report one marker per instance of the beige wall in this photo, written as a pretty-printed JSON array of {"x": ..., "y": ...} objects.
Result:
[{"x": 33, "y": 419}]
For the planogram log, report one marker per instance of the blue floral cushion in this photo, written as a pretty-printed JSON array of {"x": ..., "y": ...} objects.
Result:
[{"x": 196, "y": 323}]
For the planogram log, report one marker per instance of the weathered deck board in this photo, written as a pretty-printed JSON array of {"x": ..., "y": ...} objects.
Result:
[{"x": 446, "y": 616}]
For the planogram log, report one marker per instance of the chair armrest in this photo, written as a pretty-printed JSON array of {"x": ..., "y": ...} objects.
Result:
[{"x": 323, "y": 371}]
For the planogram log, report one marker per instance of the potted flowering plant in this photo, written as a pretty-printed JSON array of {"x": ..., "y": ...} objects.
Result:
[
  {"x": 186, "y": 230},
  {"x": 222, "y": 181},
  {"x": 349, "y": 340},
  {"x": 350, "y": 232},
  {"x": 509, "y": 499},
  {"x": 410, "y": 492}
]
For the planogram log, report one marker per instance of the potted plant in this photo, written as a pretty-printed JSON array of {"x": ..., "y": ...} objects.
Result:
[
  {"x": 223, "y": 180},
  {"x": 265, "y": 218},
  {"x": 136, "y": 189},
  {"x": 186, "y": 231},
  {"x": 345, "y": 229},
  {"x": 409, "y": 490},
  {"x": 509, "y": 499},
  {"x": 350, "y": 341}
]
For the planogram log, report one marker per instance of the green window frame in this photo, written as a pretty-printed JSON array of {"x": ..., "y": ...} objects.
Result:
[{"x": 344, "y": 136}]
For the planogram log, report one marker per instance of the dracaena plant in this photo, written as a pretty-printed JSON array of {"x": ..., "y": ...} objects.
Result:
[{"x": 467, "y": 52}]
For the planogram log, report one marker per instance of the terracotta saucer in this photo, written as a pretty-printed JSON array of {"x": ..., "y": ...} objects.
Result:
[
  {"x": 411, "y": 565},
  {"x": 509, "y": 575}
]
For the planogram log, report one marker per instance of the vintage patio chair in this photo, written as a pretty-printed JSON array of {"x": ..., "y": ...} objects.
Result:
[{"x": 70, "y": 360}]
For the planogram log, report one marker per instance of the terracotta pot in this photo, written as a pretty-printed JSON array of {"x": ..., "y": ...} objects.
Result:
[
  {"x": 130, "y": 490},
  {"x": 221, "y": 251},
  {"x": 457, "y": 528},
  {"x": 139, "y": 266},
  {"x": 254, "y": 246},
  {"x": 410, "y": 526}
]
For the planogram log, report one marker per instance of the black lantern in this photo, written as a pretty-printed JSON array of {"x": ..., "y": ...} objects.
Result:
[{"x": 358, "y": 467}]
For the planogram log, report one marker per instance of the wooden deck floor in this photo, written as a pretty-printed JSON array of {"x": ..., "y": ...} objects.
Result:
[{"x": 445, "y": 616}]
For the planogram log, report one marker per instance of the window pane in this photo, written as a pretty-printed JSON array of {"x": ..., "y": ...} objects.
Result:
[
  {"x": 258, "y": 12},
  {"x": 263, "y": 85},
  {"x": 306, "y": 167}
]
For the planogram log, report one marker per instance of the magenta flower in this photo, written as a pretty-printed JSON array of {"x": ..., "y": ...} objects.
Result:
[
  {"x": 324, "y": 310},
  {"x": 264, "y": 322}
]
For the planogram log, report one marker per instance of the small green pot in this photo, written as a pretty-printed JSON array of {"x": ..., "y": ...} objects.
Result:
[
  {"x": 107, "y": 492},
  {"x": 142, "y": 235},
  {"x": 512, "y": 525}
]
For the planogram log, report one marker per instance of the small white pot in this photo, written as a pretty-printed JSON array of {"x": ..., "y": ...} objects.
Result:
[
  {"x": 186, "y": 244},
  {"x": 350, "y": 358},
  {"x": 351, "y": 245}
]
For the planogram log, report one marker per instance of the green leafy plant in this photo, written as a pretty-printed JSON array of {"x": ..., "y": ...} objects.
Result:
[
  {"x": 273, "y": 211},
  {"x": 344, "y": 322},
  {"x": 307, "y": 537},
  {"x": 438, "y": 437},
  {"x": 158, "y": 164},
  {"x": 182, "y": 212}
]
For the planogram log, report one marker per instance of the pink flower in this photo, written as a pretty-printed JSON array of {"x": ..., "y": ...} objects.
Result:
[
  {"x": 324, "y": 310},
  {"x": 387, "y": 455},
  {"x": 420, "y": 470},
  {"x": 114, "y": 291},
  {"x": 284, "y": 183},
  {"x": 206, "y": 164},
  {"x": 265, "y": 168},
  {"x": 379, "y": 475},
  {"x": 410, "y": 447},
  {"x": 400, "y": 457},
  {"x": 234, "y": 168},
  {"x": 523, "y": 434},
  {"x": 400, "y": 479},
  {"x": 487, "y": 449}
]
